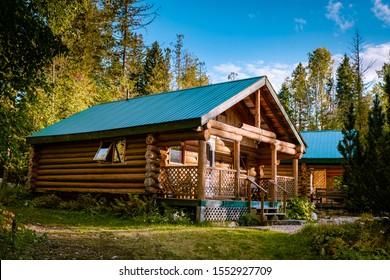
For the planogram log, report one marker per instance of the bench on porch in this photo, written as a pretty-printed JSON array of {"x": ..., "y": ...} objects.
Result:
[{"x": 330, "y": 198}]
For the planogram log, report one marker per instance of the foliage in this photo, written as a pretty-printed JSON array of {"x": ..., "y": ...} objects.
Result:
[
  {"x": 300, "y": 208},
  {"x": 344, "y": 90},
  {"x": 14, "y": 195},
  {"x": 80, "y": 53},
  {"x": 15, "y": 238},
  {"x": 366, "y": 168},
  {"x": 362, "y": 239},
  {"x": 247, "y": 220},
  {"x": 134, "y": 208}
]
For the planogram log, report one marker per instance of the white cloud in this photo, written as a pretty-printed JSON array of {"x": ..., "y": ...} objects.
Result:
[
  {"x": 276, "y": 72},
  {"x": 334, "y": 13},
  {"x": 299, "y": 24},
  {"x": 382, "y": 11},
  {"x": 378, "y": 55},
  {"x": 227, "y": 68}
]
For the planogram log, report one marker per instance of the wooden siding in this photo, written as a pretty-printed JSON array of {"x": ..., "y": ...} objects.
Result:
[{"x": 70, "y": 167}]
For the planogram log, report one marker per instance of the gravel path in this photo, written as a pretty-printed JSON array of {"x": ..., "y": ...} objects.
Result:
[{"x": 290, "y": 229}]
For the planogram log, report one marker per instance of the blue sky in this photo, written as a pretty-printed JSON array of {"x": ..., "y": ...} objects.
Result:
[{"x": 258, "y": 37}]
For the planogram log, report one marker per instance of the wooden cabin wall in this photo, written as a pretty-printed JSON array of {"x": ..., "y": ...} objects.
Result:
[
  {"x": 331, "y": 171},
  {"x": 70, "y": 167},
  {"x": 283, "y": 170},
  {"x": 223, "y": 153},
  {"x": 235, "y": 117}
]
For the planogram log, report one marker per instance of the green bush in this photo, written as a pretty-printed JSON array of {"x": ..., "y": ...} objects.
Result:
[
  {"x": 247, "y": 220},
  {"x": 15, "y": 238},
  {"x": 11, "y": 194},
  {"x": 50, "y": 201},
  {"x": 363, "y": 239},
  {"x": 300, "y": 209}
]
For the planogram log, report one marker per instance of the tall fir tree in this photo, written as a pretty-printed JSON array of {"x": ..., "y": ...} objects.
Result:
[
  {"x": 300, "y": 97},
  {"x": 156, "y": 70},
  {"x": 344, "y": 90},
  {"x": 320, "y": 68}
]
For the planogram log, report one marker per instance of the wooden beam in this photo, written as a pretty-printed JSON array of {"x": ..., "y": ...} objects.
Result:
[
  {"x": 202, "y": 161},
  {"x": 184, "y": 136},
  {"x": 258, "y": 111},
  {"x": 274, "y": 172},
  {"x": 225, "y": 134},
  {"x": 258, "y": 130},
  {"x": 222, "y": 128},
  {"x": 237, "y": 158},
  {"x": 295, "y": 175}
]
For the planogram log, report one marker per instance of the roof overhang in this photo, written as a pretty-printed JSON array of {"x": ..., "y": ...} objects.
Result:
[{"x": 152, "y": 128}]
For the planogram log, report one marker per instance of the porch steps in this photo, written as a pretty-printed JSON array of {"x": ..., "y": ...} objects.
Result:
[{"x": 271, "y": 214}]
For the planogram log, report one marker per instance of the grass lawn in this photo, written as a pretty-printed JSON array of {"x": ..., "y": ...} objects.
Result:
[{"x": 79, "y": 235}]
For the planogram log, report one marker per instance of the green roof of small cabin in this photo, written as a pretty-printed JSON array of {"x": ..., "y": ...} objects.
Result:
[
  {"x": 322, "y": 146},
  {"x": 181, "y": 109}
]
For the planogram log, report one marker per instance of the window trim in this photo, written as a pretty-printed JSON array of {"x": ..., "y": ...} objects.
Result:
[
  {"x": 107, "y": 148},
  {"x": 182, "y": 155}
]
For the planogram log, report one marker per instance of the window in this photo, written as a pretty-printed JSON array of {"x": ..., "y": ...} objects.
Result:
[
  {"x": 111, "y": 151},
  {"x": 176, "y": 155}
]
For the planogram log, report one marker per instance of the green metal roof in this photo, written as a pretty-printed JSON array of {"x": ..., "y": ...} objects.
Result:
[
  {"x": 171, "y": 110},
  {"x": 322, "y": 146}
]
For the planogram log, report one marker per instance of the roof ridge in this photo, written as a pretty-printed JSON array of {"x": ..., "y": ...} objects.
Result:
[{"x": 178, "y": 90}]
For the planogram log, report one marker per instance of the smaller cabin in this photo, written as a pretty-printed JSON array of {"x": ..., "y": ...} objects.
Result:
[{"x": 196, "y": 146}]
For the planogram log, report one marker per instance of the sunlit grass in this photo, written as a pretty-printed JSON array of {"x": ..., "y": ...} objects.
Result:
[{"x": 80, "y": 235}]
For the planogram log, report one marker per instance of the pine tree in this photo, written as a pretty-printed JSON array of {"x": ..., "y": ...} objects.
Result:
[
  {"x": 320, "y": 69},
  {"x": 285, "y": 98},
  {"x": 300, "y": 97},
  {"x": 127, "y": 17},
  {"x": 156, "y": 77},
  {"x": 344, "y": 90},
  {"x": 362, "y": 98},
  {"x": 351, "y": 150}
]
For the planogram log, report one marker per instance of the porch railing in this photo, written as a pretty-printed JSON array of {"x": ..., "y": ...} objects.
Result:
[
  {"x": 284, "y": 183},
  {"x": 220, "y": 182},
  {"x": 182, "y": 182},
  {"x": 179, "y": 181}
]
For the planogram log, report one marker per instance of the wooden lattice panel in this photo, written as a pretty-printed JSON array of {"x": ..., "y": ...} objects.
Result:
[
  {"x": 286, "y": 183},
  {"x": 224, "y": 213},
  {"x": 179, "y": 181},
  {"x": 219, "y": 182}
]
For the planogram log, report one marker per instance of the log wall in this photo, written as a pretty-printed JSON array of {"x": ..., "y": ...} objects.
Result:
[{"x": 70, "y": 167}]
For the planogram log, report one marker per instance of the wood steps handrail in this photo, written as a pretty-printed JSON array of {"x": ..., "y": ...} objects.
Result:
[{"x": 257, "y": 185}]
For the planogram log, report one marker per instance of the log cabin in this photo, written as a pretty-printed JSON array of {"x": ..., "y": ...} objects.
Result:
[{"x": 204, "y": 146}]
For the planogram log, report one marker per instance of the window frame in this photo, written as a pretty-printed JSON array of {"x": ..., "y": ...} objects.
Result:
[
  {"x": 182, "y": 155},
  {"x": 108, "y": 151}
]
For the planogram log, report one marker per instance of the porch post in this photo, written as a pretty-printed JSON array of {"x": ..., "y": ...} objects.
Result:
[
  {"x": 237, "y": 155},
  {"x": 257, "y": 107},
  {"x": 274, "y": 172},
  {"x": 295, "y": 175},
  {"x": 202, "y": 160}
]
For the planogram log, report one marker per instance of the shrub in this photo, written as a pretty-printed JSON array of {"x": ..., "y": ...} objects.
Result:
[
  {"x": 300, "y": 209},
  {"x": 11, "y": 194},
  {"x": 50, "y": 201},
  {"x": 15, "y": 238},
  {"x": 362, "y": 239},
  {"x": 247, "y": 220}
]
